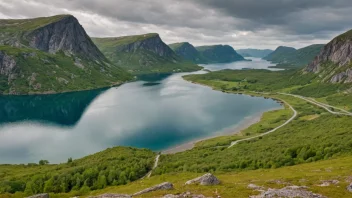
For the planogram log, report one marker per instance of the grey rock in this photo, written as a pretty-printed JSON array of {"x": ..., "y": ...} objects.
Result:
[
  {"x": 206, "y": 180},
  {"x": 329, "y": 182},
  {"x": 112, "y": 196},
  {"x": 185, "y": 195},
  {"x": 163, "y": 186},
  {"x": 66, "y": 35},
  {"x": 349, "y": 187},
  {"x": 255, "y": 187},
  {"x": 289, "y": 191},
  {"x": 44, "y": 195},
  {"x": 7, "y": 64}
]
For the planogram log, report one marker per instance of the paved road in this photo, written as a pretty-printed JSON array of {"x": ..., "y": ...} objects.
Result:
[
  {"x": 266, "y": 133},
  {"x": 322, "y": 105}
]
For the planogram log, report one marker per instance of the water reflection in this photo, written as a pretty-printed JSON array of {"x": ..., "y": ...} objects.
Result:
[{"x": 62, "y": 109}]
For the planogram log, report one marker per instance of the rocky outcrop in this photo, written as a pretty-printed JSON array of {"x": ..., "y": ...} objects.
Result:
[
  {"x": 151, "y": 43},
  {"x": 345, "y": 76},
  {"x": 112, "y": 196},
  {"x": 329, "y": 182},
  {"x": 7, "y": 64},
  {"x": 45, "y": 195},
  {"x": 163, "y": 186},
  {"x": 206, "y": 180},
  {"x": 349, "y": 187},
  {"x": 289, "y": 191}
]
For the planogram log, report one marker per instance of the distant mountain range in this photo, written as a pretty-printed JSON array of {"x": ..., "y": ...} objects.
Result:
[
  {"x": 140, "y": 54},
  {"x": 291, "y": 57},
  {"x": 206, "y": 54},
  {"x": 258, "y": 53}
]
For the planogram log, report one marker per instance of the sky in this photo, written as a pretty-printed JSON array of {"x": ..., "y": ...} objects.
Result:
[{"x": 257, "y": 24}]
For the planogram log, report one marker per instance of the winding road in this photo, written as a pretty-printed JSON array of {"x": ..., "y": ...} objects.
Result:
[
  {"x": 322, "y": 105},
  {"x": 273, "y": 130}
]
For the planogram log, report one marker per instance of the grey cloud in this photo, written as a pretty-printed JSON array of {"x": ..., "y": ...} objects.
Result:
[{"x": 239, "y": 22}]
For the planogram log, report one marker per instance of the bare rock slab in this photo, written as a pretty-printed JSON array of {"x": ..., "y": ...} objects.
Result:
[
  {"x": 205, "y": 180},
  {"x": 163, "y": 186},
  {"x": 112, "y": 196},
  {"x": 44, "y": 195}
]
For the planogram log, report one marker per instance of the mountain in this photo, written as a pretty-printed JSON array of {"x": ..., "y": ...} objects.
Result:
[
  {"x": 259, "y": 53},
  {"x": 218, "y": 54},
  {"x": 287, "y": 56},
  {"x": 140, "y": 54},
  {"x": 187, "y": 51},
  {"x": 333, "y": 64},
  {"x": 52, "y": 54}
]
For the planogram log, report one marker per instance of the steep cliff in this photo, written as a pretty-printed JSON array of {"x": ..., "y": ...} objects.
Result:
[
  {"x": 52, "y": 54},
  {"x": 333, "y": 64},
  {"x": 145, "y": 53},
  {"x": 218, "y": 54},
  {"x": 187, "y": 51}
]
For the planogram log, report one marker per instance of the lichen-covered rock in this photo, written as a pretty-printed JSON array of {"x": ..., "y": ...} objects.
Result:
[
  {"x": 163, "y": 186},
  {"x": 206, "y": 180},
  {"x": 329, "y": 182},
  {"x": 255, "y": 187},
  {"x": 112, "y": 196},
  {"x": 289, "y": 191},
  {"x": 44, "y": 195}
]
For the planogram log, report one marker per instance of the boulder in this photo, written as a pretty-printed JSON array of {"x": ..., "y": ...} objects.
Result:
[
  {"x": 184, "y": 195},
  {"x": 44, "y": 195},
  {"x": 205, "y": 180},
  {"x": 112, "y": 196},
  {"x": 289, "y": 191},
  {"x": 163, "y": 186},
  {"x": 349, "y": 187}
]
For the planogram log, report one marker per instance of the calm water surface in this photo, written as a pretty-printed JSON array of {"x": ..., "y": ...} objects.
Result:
[
  {"x": 256, "y": 63},
  {"x": 156, "y": 112}
]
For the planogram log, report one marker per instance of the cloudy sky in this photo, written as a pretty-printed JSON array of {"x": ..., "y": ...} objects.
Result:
[{"x": 240, "y": 23}]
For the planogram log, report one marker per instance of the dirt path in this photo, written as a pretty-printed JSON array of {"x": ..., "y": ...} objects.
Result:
[
  {"x": 155, "y": 165},
  {"x": 266, "y": 133}
]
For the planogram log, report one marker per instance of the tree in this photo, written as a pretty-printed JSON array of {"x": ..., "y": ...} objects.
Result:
[
  {"x": 43, "y": 162},
  {"x": 69, "y": 160}
]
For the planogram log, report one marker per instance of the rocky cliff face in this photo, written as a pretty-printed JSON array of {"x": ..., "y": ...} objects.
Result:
[
  {"x": 7, "y": 64},
  {"x": 66, "y": 35},
  {"x": 334, "y": 62},
  {"x": 152, "y": 44}
]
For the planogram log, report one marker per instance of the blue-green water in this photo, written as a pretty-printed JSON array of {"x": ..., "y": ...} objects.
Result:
[{"x": 150, "y": 113}]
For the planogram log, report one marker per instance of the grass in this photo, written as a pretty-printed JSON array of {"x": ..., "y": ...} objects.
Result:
[
  {"x": 235, "y": 184},
  {"x": 112, "y": 42}
]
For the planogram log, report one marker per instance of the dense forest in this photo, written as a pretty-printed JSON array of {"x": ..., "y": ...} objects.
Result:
[{"x": 114, "y": 166}]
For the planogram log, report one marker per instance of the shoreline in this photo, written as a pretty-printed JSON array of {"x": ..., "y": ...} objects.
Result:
[{"x": 236, "y": 129}]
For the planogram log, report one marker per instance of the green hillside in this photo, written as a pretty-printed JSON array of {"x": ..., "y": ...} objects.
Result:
[
  {"x": 38, "y": 57},
  {"x": 218, "y": 54},
  {"x": 290, "y": 57},
  {"x": 187, "y": 52},
  {"x": 142, "y": 54}
]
